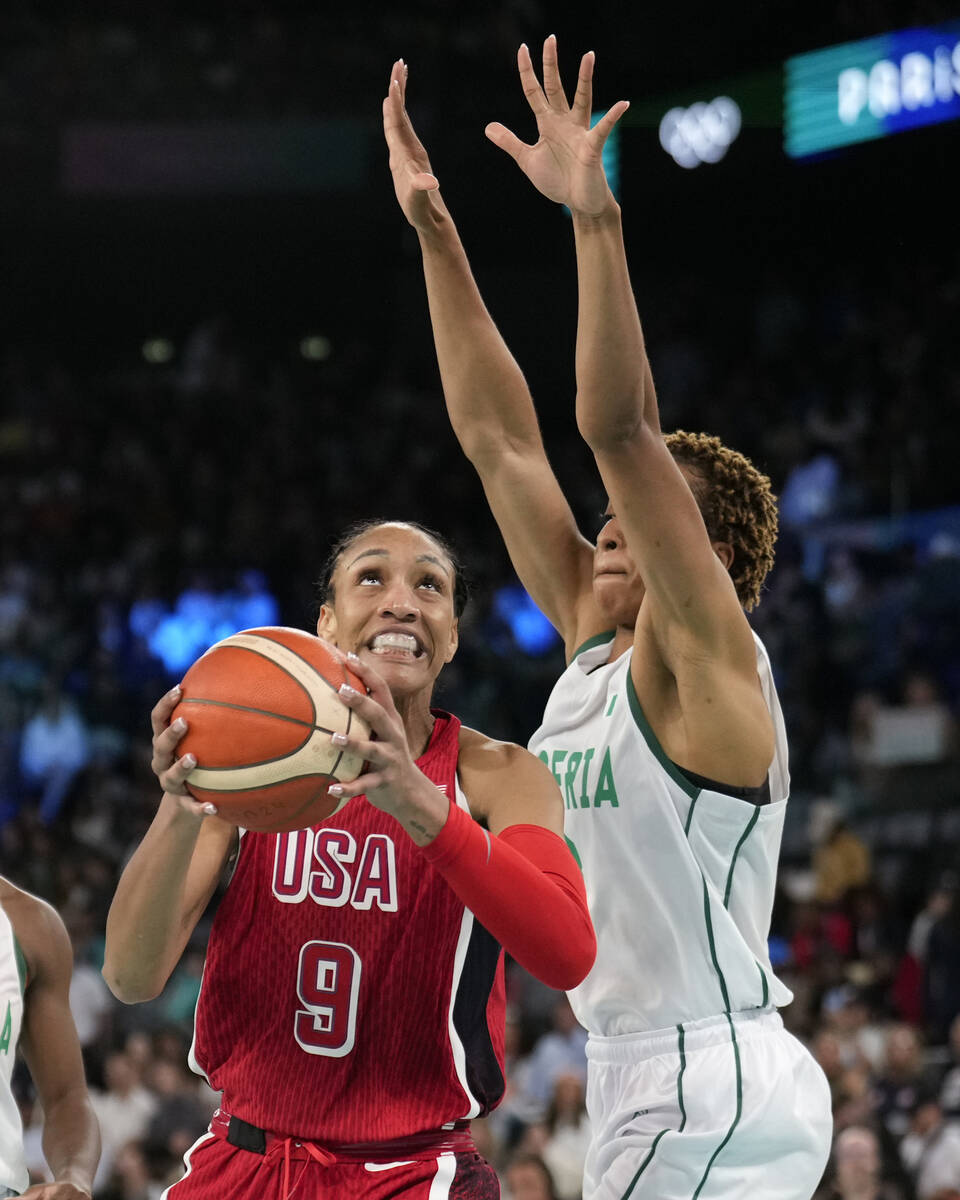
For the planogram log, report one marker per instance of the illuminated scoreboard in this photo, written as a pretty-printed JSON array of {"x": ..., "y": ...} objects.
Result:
[{"x": 863, "y": 90}]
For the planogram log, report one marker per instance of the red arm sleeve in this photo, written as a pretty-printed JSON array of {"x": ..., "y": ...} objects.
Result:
[{"x": 525, "y": 888}]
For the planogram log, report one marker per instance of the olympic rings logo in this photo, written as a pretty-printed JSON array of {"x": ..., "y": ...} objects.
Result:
[{"x": 702, "y": 133}]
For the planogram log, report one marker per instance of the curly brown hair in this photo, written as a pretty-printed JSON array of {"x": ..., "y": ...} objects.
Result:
[{"x": 737, "y": 504}]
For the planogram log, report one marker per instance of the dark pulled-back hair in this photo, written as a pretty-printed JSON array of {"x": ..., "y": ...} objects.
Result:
[
  {"x": 737, "y": 504},
  {"x": 325, "y": 590}
]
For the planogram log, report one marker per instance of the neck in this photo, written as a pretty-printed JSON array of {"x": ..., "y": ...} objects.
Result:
[
  {"x": 418, "y": 721},
  {"x": 622, "y": 640}
]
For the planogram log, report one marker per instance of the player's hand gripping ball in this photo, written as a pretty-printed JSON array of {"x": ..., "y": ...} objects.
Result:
[{"x": 261, "y": 707}]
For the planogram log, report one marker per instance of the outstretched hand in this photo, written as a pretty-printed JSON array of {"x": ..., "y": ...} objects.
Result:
[
  {"x": 565, "y": 163},
  {"x": 413, "y": 181}
]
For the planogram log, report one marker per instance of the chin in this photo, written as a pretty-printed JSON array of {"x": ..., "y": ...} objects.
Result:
[
  {"x": 402, "y": 677},
  {"x": 617, "y": 600}
]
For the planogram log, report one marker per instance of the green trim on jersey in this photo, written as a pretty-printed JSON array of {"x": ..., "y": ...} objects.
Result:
[
  {"x": 713, "y": 949},
  {"x": 21, "y": 964},
  {"x": 766, "y": 991},
  {"x": 733, "y": 861},
  {"x": 607, "y": 636},
  {"x": 736, "y": 1119},
  {"x": 575, "y": 852},
  {"x": 656, "y": 749},
  {"x": 683, "y": 1067}
]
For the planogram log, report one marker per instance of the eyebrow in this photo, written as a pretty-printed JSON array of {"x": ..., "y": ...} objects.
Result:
[{"x": 430, "y": 558}]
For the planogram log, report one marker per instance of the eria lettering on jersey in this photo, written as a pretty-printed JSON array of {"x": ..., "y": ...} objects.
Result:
[
  {"x": 583, "y": 785},
  {"x": 329, "y": 868}
]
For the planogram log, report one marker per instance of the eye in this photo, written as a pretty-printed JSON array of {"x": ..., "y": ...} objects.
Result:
[
  {"x": 432, "y": 582},
  {"x": 368, "y": 576}
]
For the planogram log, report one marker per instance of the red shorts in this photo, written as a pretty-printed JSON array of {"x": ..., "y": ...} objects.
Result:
[{"x": 217, "y": 1170}]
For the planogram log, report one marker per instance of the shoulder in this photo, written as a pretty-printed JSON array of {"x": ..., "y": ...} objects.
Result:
[
  {"x": 478, "y": 752},
  {"x": 506, "y": 784},
  {"x": 38, "y": 928}
]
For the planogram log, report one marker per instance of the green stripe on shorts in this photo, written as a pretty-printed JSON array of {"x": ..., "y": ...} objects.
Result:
[{"x": 736, "y": 1119}]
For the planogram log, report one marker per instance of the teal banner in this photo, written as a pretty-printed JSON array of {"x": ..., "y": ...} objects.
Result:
[{"x": 863, "y": 90}]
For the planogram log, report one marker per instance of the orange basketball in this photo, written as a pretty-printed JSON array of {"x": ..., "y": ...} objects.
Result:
[{"x": 260, "y": 707}]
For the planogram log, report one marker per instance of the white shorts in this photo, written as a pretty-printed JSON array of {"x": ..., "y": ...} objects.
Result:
[{"x": 725, "y": 1107}]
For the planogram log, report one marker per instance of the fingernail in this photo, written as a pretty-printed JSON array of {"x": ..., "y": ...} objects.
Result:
[
  {"x": 347, "y": 692},
  {"x": 174, "y": 692},
  {"x": 210, "y": 810},
  {"x": 179, "y": 724},
  {"x": 339, "y": 739},
  {"x": 335, "y": 789},
  {"x": 188, "y": 760},
  {"x": 352, "y": 658}
]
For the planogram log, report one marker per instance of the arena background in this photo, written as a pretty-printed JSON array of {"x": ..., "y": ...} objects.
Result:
[{"x": 215, "y": 351}]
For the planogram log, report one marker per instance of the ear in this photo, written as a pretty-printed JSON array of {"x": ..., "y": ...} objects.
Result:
[
  {"x": 725, "y": 552},
  {"x": 327, "y": 624},
  {"x": 454, "y": 642}
]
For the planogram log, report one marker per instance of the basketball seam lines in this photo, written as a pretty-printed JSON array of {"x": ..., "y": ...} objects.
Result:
[
  {"x": 284, "y": 646},
  {"x": 263, "y": 711}
]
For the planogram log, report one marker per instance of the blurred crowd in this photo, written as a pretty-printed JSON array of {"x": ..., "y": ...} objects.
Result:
[{"x": 273, "y": 59}]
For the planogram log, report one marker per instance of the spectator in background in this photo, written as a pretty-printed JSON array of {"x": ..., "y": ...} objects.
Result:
[
  {"x": 931, "y": 1149},
  {"x": 180, "y": 1116},
  {"x": 124, "y": 1109},
  {"x": 950, "y": 1084},
  {"x": 857, "y": 1169},
  {"x": 841, "y": 859},
  {"x": 55, "y": 747},
  {"x": 528, "y": 1177},
  {"x": 562, "y": 1051},
  {"x": 943, "y": 971},
  {"x": 90, "y": 1001},
  {"x": 518, "y": 1109},
  {"x": 903, "y": 1080},
  {"x": 568, "y": 1136}
]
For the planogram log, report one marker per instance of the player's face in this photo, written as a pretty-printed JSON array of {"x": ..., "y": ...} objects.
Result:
[
  {"x": 393, "y": 606},
  {"x": 617, "y": 586}
]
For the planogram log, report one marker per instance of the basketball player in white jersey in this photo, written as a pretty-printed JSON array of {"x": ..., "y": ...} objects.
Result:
[
  {"x": 36, "y": 963},
  {"x": 665, "y": 733}
]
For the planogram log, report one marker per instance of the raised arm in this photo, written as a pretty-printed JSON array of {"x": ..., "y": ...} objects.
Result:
[
  {"x": 616, "y": 403},
  {"x": 170, "y": 878},
  {"x": 487, "y": 397}
]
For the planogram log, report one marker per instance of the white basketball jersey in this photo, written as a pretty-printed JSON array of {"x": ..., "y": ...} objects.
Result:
[
  {"x": 680, "y": 879},
  {"x": 13, "y": 1171}
]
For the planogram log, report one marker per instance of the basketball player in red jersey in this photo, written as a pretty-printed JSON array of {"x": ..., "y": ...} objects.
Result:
[{"x": 352, "y": 1009}]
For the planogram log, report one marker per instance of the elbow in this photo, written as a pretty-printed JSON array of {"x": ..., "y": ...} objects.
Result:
[
  {"x": 606, "y": 431},
  {"x": 573, "y": 964},
  {"x": 128, "y": 988}
]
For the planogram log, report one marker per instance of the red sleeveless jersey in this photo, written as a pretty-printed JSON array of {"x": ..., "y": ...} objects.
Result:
[{"x": 348, "y": 995}]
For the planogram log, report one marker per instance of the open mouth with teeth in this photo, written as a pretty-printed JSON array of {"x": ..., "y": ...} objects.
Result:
[{"x": 400, "y": 645}]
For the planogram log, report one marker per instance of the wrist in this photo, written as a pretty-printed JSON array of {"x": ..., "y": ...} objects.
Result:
[
  {"x": 608, "y": 217},
  {"x": 180, "y": 819},
  {"x": 425, "y": 814},
  {"x": 437, "y": 232}
]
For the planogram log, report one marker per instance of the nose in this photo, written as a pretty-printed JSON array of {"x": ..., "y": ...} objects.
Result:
[
  {"x": 609, "y": 537},
  {"x": 399, "y": 603}
]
